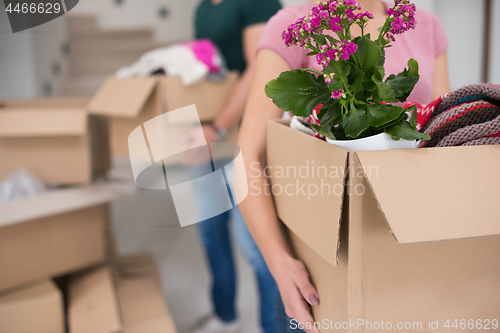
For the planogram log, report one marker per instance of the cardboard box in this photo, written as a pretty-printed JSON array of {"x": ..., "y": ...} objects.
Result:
[
  {"x": 405, "y": 236},
  {"x": 141, "y": 300},
  {"x": 55, "y": 139},
  {"x": 54, "y": 233},
  {"x": 132, "y": 101},
  {"x": 36, "y": 308},
  {"x": 125, "y": 298},
  {"x": 92, "y": 303}
]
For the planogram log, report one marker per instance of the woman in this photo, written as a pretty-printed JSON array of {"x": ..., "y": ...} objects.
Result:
[
  {"x": 235, "y": 27},
  {"x": 427, "y": 44}
]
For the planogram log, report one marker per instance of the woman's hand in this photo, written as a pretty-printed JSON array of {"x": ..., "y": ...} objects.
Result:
[
  {"x": 197, "y": 138},
  {"x": 297, "y": 292}
]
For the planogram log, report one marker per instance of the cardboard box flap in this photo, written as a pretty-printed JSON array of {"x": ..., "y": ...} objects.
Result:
[
  {"x": 436, "y": 194},
  {"x": 42, "y": 122},
  {"x": 318, "y": 176},
  {"x": 57, "y": 202},
  {"x": 123, "y": 97},
  {"x": 93, "y": 303}
]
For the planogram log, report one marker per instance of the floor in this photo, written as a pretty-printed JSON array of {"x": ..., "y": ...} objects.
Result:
[{"x": 147, "y": 222}]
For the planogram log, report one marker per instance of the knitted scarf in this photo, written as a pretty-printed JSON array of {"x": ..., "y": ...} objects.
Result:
[{"x": 468, "y": 116}]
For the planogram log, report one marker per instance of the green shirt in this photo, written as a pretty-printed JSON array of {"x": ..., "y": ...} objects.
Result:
[{"x": 224, "y": 23}]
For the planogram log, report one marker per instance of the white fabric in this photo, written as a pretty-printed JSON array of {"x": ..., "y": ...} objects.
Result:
[{"x": 176, "y": 60}]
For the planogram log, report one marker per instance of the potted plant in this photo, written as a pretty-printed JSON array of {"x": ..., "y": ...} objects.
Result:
[{"x": 349, "y": 101}]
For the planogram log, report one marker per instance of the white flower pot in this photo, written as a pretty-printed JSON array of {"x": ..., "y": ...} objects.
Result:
[{"x": 380, "y": 141}]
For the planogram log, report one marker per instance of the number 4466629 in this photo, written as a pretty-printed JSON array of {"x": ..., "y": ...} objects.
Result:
[
  {"x": 472, "y": 324},
  {"x": 34, "y": 8}
]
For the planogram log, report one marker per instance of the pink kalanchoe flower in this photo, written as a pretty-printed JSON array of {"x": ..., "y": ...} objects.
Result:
[
  {"x": 352, "y": 4},
  {"x": 332, "y": 6},
  {"x": 364, "y": 16},
  {"x": 348, "y": 48},
  {"x": 403, "y": 17},
  {"x": 337, "y": 93},
  {"x": 336, "y": 23},
  {"x": 350, "y": 14}
]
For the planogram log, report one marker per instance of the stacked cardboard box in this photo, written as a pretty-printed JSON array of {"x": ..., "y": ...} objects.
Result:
[
  {"x": 56, "y": 139},
  {"x": 65, "y": 232},
  {"x": 38, "y": 307},
  {"x": 401, "y": 237},
  {"x": 121, "y": 298},
  {"x": 132, "y": 101},
  {"x": 54, "y": 233}
]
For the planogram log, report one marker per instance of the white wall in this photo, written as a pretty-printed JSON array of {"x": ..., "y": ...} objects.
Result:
[
  {"x": 495, "y": 47},
  {"x": 28, "y": 58}
]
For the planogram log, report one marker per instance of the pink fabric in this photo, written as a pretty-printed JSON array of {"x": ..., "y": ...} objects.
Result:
[
  {"x": 205, "y": 52},
  {"x": 424, "y": 44}
]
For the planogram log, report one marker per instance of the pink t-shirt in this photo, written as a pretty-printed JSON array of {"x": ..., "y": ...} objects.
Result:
[{"x": 425, "y": 43}]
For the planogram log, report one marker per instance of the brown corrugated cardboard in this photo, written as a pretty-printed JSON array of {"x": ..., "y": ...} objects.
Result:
[
  {"x": 141, "y": 301},
  {"x": 35, "y": 308},
  {"x": 420, "y": 228},
  {"x": 92, "y": 303},
  {"x": 60, "y": 145},
  {"x": 54, "y": 233},
  {"x": 132, "y": 101}
]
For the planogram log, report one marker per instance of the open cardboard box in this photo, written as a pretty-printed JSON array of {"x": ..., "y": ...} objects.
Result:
[
  {"x": 132, "y": 101},
  {"x": 125, "y": 297},
  {"x": 36, "y": 307},
  {"x": 54, "y": 233},
  {"x": 404, "y": 236},
  {"x": 55, "y": 139}
]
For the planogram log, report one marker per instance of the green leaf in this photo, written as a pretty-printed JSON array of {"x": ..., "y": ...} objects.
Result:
[
  {"x": 404, "y": 130},
  {"x": 331, "y": 39},
  {"x": 385, "y": 92},
  {"x": 332, "y": 115},
  {"x": 336, "y": 84},
  {"x": 402, "y": 116},
  {"x": 379, "y": 70},
  {"x": 312, "y": 53},
  {"x": 324, "y": 131},
  {"x": 412, "y": 68},
  {"x": 355, "y": 122},
  {"x": 402, "y": 85},
  {"x": 380, "y": 114},
  {"x": 297, "y": 91},
  {"x": 404, "y": 82},
  {"x": 356, "y": 77},
  {"x": 368, "y": 54},
  {"x": 413, "y": 110},
  {"x": 340, "y": 68}
]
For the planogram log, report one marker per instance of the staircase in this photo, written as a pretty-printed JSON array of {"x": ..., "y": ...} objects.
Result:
[{"x": 95, "y": 54}]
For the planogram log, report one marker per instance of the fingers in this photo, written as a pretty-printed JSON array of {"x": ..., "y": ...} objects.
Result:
[
  {"x": 306, "y": 288},
  {"x": 300, "y": 311}
]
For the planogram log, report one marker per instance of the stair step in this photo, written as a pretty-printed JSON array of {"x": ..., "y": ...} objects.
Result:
[
  {"x": 82, "y": 85},
  {"x": 102, "y": 48},
  {"x": 107, "y": 65},
  {"x": 81, "y": 23},
  {"x": 111, "y": 34}
]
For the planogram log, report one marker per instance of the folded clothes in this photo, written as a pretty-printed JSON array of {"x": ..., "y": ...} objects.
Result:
[
  {"x": 467, "y": 116},
  {"x": 193, "y": 62}
]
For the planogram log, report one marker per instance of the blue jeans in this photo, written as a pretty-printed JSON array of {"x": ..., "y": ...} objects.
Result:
[
  {"x": 214, "y": 235},
  {"x": 283, "y": 322}
]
